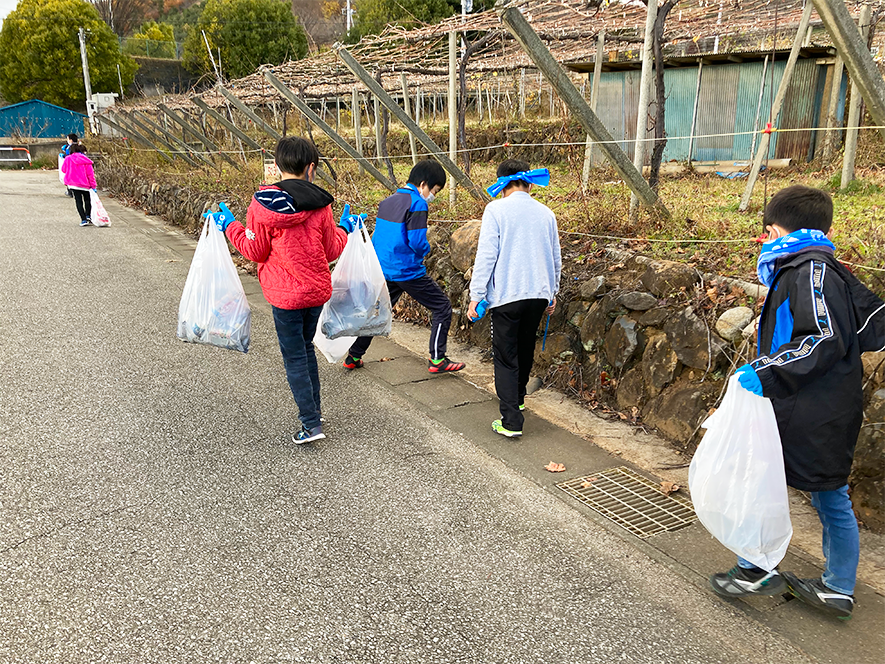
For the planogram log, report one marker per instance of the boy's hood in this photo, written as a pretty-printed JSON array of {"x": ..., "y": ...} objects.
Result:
[
  {"x": 78, "y": 158},
  {"x": 287, "y": 202}
]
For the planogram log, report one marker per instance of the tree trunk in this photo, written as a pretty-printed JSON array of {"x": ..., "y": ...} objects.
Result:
[
  {"x": 462, "y": 96},
  {"x": 657, "y": 153}
]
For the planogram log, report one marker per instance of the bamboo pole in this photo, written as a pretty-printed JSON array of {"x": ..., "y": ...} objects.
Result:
[{"x": 227, "y": 124}]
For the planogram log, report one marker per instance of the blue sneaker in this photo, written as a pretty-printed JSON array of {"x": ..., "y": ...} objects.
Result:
[
  {"x": 308, "y": 435},
  {"x": 84, "y": 222}
]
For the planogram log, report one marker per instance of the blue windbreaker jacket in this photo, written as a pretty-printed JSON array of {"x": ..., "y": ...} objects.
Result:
[{"x": 400, "y": 237}]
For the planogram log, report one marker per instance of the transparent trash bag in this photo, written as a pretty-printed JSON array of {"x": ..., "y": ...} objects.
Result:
[
  {"x": 737, "y": 479},
  {"x": 334, "y": 350},
  {"x": 99, "y": 214},
  {"x": 360, "y": 302},
  {"x": 213, "y": 308}
]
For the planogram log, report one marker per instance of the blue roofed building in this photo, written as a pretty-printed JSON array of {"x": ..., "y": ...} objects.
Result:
[{"x": 39, "y": 119}]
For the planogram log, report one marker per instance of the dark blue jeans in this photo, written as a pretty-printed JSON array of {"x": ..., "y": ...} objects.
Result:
[{"x": 295, "y": 330}]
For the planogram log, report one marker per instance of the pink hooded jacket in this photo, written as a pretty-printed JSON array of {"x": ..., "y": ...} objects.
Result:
[{"x": 77, "y": 169}]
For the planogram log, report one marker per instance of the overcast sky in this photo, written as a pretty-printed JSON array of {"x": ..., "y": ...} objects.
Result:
[{"x": 6, "y": 6}]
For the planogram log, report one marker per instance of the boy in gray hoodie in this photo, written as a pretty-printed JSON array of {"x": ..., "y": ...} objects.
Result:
[{"x": 516, "y": 271}]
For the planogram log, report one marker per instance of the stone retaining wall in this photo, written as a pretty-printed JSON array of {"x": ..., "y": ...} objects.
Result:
[{"x": 646, "y": 341}]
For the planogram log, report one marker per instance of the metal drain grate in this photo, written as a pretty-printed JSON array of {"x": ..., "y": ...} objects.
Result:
[{"x": 631, "y": 501}]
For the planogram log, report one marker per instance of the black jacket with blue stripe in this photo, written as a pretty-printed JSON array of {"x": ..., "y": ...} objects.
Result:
[{"x": 816, "y": 321}]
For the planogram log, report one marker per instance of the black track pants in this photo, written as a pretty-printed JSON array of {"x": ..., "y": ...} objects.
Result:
[{"x": 514, "y": 333}]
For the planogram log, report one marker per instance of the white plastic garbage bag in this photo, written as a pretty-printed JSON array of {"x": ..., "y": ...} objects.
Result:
[
  {"x": 213, "y": 308},
  {"x": 737, "y": 479},
  {"x": 61, "y": 176},
  {"x": 99, "y": 214},
  {"x": 334, "y": 350},
  {"x": 360, "y": 302}
]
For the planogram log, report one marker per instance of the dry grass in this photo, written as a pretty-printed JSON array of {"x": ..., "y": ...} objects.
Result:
[{"x": 703, "y": 207}]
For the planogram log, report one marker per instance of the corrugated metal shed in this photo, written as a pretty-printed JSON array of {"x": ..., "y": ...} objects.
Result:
[
  {"x": 728, "y": 104},
  {"x": 39, "y": 119}
]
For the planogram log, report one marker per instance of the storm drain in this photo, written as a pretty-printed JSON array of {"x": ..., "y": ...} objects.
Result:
[{"x": 631, "y": 501}]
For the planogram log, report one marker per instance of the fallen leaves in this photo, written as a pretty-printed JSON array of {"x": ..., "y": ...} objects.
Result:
[
  {"x": 668, "y": 488},
  {"x": 386, "y": 359},
  {"x": 554, "y": 467}
]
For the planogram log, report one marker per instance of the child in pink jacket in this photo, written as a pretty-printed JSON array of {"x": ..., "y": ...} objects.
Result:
[{"x": 80, "y": 179}]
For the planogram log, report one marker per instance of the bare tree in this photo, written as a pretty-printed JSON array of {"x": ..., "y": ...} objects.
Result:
[
  {"x": 124, "y": 16},
  {"x": 657, "y": 153}
]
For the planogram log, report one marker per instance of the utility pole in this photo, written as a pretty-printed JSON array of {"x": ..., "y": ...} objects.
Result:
[
  {"x": 90, "y": 107},
  {"x": 348, "y": 14}
]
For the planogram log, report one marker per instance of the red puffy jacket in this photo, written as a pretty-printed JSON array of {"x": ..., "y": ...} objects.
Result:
[{"x": 292, "y": 236}]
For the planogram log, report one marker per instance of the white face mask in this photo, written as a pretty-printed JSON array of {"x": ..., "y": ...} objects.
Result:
[{"x": 429, "y": 197}]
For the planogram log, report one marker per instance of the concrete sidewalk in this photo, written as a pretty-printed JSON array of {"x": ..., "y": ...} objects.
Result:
[{"x": 464, "y": 405}]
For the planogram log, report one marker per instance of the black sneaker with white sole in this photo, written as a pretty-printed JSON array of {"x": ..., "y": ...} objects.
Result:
[
  {"x": 308, "y": 435},
  {"x": 814, "y": 593},
  {"x": 740, "y": 582}
]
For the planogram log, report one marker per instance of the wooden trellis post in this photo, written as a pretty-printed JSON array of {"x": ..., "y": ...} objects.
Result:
[
  {"x": 857, "y": 57},
  {"x": 174, "y": 140},
  {"x": 834, "y": 133},
  {"x": 854, "y": 110},
  {"x": 644, "y": 93},
  {"x": 410, "y": 125},
  {"x": 765, "y": 139},
  {"x": 249, "y": 113},
  {"x": 266, "y": 128},
  {"x": 357, "y": 126},
  {"x": 594, "y": 100},
  {"x": 227, "y": 124},
  {"x": 318, "y": 121},
  {"x": 129, "y": 131},
  {"x": 453, "y": 108},
  {"x": 528, "y": 39},
  {"x": 208, "y": 143},
  {"x": 405, "y": 86},
  {"x": 174, "y": 151}
]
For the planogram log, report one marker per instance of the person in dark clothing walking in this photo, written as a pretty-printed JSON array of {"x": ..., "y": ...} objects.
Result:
[
  {"x": 400, "y": 241},
  {"x": 517, "y": 270},
  {"x": 816, "y": 321},
  {"x": 72, "y": 140}
]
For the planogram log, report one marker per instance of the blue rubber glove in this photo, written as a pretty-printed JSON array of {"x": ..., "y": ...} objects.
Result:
[
  {"x": 224, "y": 218},
  {"x": 350, "y": 222},
  {"x": 749, "y": 380}
]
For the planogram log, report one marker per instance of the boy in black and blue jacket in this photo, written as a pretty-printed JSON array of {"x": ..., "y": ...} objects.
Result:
[
  {"x": 816, "y": 321},
  {"x": 400, "y": 240}
]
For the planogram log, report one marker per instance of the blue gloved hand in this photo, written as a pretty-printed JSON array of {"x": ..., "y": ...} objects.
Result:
[
  {"x": 350, "y": 222},
  {"x": 224, "y": 218},
  {"x": 749, "y": 380}
]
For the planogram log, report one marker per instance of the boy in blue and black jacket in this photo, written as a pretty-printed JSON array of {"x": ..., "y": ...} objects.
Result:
[
  {"x": 400, "y": 240},
  {"x": 816, "y": 321}
]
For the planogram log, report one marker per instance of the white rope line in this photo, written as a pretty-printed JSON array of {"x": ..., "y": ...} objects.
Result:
[{"x": 550, "y": 144}]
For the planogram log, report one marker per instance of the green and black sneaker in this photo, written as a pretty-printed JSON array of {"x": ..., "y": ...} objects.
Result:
[
  {"x": 740, "y": 582},
  {"x": 498, "y": 427}
]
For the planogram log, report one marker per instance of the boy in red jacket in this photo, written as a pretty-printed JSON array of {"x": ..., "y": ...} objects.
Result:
[{"x": 292, "y": 235}]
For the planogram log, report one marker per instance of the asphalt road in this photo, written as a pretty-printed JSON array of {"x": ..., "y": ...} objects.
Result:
[{"x": 153, "y": 508}]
